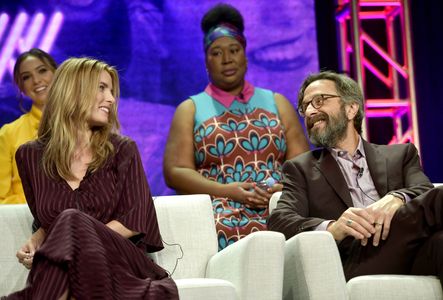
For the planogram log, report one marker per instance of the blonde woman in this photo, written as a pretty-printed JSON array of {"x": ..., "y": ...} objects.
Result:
[
  {"x": 33, "y": 73},
  {"x": 87, "y": 191}
]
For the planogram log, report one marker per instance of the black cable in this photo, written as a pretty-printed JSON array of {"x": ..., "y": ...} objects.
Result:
[
  {"x": 359, "y": 175},
  {"x": 176, "y": 261}
]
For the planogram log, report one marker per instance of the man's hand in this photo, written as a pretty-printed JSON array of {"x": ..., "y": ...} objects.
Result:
[
  {"x": 383, "y": 211},
  {"x": 356, "y": 222}
]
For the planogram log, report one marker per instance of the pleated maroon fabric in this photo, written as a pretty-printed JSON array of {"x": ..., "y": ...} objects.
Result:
[{"x": 80, "y": 253}]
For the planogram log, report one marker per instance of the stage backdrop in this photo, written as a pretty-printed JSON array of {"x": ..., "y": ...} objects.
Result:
[{"x": 157, "y": 47}]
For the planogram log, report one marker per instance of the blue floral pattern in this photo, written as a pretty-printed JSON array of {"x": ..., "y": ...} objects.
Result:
[{"x": 246, "y": 144}]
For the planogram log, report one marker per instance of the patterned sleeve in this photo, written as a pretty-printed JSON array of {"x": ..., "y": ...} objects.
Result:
[
  {"x": 135, "y": 209},
  {"x": 24, "y": 158}
]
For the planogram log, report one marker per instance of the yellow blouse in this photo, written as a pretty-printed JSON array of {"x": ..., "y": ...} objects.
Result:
[{"x": 13, "y": 135}]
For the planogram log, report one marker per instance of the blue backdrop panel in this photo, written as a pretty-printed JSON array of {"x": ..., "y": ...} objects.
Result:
[{"x": 157, "y": 48}]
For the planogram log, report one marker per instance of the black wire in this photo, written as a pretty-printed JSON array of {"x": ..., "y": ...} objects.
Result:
[
  {"x": 176, "y": 261},
  {"x": 356, "y": 180}
]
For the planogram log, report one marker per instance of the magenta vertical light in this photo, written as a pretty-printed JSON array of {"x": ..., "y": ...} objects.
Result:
[
  {"x": 11, "y": 42},
  {"x": 51, "y": 32},
  {"x": 4, "y": 19},
  {"x": 23, "y": 35},
  {"x": 27, "y": 42}
]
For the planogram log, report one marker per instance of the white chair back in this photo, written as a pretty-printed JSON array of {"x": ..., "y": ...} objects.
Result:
[{"x": 186, "y": 223}]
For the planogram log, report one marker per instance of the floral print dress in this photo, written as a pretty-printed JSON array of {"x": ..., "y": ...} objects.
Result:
[{"x": 242, "y": 142}]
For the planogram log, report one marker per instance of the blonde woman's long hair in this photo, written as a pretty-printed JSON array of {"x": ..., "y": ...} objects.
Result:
[{"x": 71, "y": 98}]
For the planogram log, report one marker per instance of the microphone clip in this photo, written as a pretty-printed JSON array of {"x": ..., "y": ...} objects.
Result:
[{"x": 360, "y": 172}]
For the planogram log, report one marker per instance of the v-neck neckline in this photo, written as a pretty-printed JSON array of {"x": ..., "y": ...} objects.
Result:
[{"x": 65, "y": 182}]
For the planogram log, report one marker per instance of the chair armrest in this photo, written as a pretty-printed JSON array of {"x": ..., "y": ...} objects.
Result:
[
  {"x": 254, "y": 265},
  {"x": 313, "y": 268},
  {"x": 205, "y": 288},
  {"x": 394, "y": 287},
  {"x": 273, "y": 201},
  {"x": 15, "y": 229}
]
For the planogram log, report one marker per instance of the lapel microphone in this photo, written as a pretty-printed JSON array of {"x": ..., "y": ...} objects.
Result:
[
  {"x": 359, "y": 175},
  {"x": 360, "y": 172}
]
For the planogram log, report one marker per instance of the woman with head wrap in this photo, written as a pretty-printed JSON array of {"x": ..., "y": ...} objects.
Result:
[{"x": 232, "y": 138}]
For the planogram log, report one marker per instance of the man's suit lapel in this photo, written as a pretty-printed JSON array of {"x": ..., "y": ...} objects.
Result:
[
  {"x": 333, "y": 175},
  {"x": 377, "y": 167}
]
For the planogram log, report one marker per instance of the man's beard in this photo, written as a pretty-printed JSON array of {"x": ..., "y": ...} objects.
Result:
[{"x": 333, "y": 131}]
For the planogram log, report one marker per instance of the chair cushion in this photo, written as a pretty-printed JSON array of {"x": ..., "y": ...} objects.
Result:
[
  {"x": 205, "y": 288},
  {"x": 394, "y": 287}
]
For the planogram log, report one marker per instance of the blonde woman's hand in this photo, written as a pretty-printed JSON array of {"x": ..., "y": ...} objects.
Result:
[{"x": 25, "y": 254}]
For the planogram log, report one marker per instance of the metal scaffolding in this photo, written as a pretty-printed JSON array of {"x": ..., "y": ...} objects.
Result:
[{"x": 375, "y": 49}]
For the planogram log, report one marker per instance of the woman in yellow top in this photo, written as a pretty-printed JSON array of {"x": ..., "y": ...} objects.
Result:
[{"x": 33, "y": 72}]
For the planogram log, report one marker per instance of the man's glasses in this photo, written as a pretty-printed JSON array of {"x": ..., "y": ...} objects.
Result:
[{"x": 316, "y": 101}]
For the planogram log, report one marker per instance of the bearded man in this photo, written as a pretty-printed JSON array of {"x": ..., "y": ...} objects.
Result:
[{"x": 375, "y": 200}]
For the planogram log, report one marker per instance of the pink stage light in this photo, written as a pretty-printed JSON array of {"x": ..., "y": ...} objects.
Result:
[
  {"x": 24, "y": 35},
  {"x": 4, "y": 19},
  {"x": 55, "y": 24},
  {"x": 9, "y": 47},
  {"x": 25, "y": 43}
]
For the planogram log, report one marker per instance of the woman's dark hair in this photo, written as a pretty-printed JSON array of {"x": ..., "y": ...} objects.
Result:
[
  {"x": 222, "y": 13},
  {"x": 46, "y": 58}
]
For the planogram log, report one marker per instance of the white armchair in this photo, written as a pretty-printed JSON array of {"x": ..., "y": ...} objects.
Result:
[
  {"x": 313, "y": 271},
  {"x": 253, "y": 265},
  {"x": 252, "y": 268}
]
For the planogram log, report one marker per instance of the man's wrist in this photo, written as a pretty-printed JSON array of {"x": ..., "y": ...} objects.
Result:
[{"x": 399, "y": 195}]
